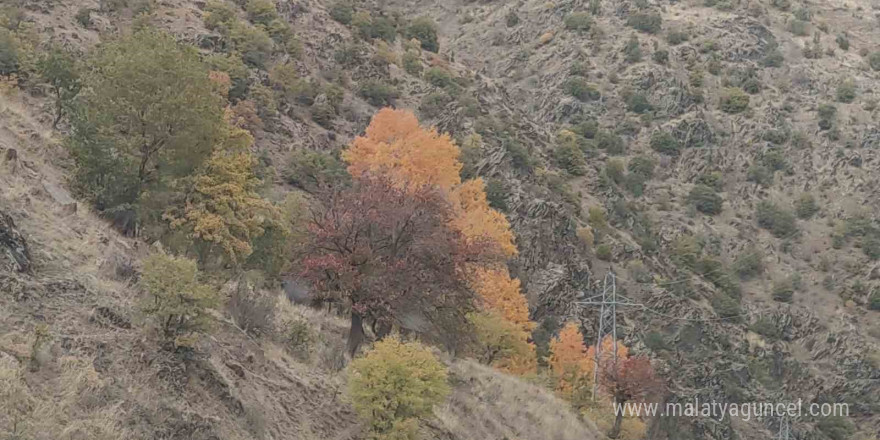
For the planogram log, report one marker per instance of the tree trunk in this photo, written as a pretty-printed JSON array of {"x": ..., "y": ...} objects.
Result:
[
  {"x": 355, "y": 334},
  {"x": 615, "y": 430}
]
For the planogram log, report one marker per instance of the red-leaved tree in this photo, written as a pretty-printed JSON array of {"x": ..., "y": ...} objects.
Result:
[
  {"x": 389, "y": 254},
  {"x": 630, "y": 379}
]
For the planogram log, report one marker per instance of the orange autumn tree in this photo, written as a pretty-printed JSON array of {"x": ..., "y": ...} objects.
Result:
[
  {"x": 570, "y": 362},
  {"x": 396, "y": 147}
]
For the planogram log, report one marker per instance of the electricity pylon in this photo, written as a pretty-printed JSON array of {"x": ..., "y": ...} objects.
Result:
[
  {"x": 784, "y": 429},
  {"x": 607, "y": 302}
]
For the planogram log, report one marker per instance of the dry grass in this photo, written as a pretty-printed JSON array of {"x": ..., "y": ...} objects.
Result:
[{"x": 488, "y": 405}]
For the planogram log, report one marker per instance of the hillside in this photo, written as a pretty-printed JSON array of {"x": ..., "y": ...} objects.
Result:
[{"x": 719, "y": 157}]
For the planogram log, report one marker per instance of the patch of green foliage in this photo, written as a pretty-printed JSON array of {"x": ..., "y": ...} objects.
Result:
[
  {"x": 644, "y": 22},
  {"x": 733, "y": 100},
  {"x": 705, "y": 199},
  {"x": 780, "y": 222}
]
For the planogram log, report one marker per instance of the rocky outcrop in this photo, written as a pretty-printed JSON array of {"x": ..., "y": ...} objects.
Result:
[{"x": 14, "y": 245}]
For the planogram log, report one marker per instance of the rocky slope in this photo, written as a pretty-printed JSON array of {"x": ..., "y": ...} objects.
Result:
[{"x": 514, "y": 62}]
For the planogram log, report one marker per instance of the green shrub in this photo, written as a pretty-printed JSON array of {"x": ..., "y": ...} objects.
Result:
[
  {"x": 648, "y": 23},
  {"x": 798, "y": 27},
  {"x": 578, "y": 21},
  {"x": 775, "y": 161},
  {"x": 395, "y": 384},
  {"x": 705, "y": 199},
  {"x": 846, "y": 92},
  {"x": 60, "y": 70},
  {"x": 780, "y": 222},
  {"x": 434, "y": 104},
  {"x": 603, "y": 252},
  {"x": 733, "y": 101},
  {"x": 570, "y": 158},
  {"x": 261, "y": 11},
  {"x": 642, "y": 166},
  {"x": 685, "y": 251},
  {"x": 776, "y": 136},
  {"x": 660, "y": 56},
  {"x": 511, "y": 19},
  {"x": 323, "y": 114},
  {"x": 412, "y": 62},
  {"x": 638, "y": 103},
  {"x": 774, "y": 58},
  {"x": 614, "y": 170},
  {"x": 378, "y": 93},
  {"x": 749, "y": 263},
  {"x": 874, "y": 60},
  {"x": 370, "y": 27},
  {"x": 677, "y": 37},
  {"x": 712, "y": 179},
  {"x": 439, "y": 77},
  {"x": 238, "y": 72},
  {"x": 803, "y": 14},
  {"x": 253, "y": 43},
  {"x": 806, "y": 206},
  {"x": 783, "y": 291},
  {"x": 425, "y": 30},
  {"x": 656, "y": 342},
  {"x": 874, "y": 300},
  {"x": 725, "y": 306},
  {"x": 714, "y": 271},
  {"x": 586, "y": 129},
  {"x": 842, "y": 41},
  {"x": 871, "y": 246},
  {"x": 175, "y": 299},
  {"x": 581, "y": 89},
  {"x": 84, "y": 17},
  {"x": 9, "y": 53},
  {"x": 343, "y": 12},
  {"x": 767, "y": 328},
  {"x": 760, "y": 174},
  {"x": 632, "y": 51},
  {"x": 664, "y": 142},
  {"x": 312, "y": 171},
  {"x": 781, "y": 4},
  {"x": 519, "y": 154},
  {"x": 751, "y": 85},
  {"x": 827, "y": 115},
  {"x": 836, "y": 427},
  {"x": 610, "y": 142},
  {"x": 496, "y": 194}
]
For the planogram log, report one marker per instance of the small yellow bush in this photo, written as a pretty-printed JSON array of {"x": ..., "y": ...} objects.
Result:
[
  {"x": 395, "y": 384},
  {"x": 503, "y": 344},
  {"x": 175, "y": 299}
]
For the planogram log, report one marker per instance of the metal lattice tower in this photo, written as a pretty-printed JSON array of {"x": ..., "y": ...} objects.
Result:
[
  {"x": 784, "y": 429},
  {"x": 607, "y": 302}
]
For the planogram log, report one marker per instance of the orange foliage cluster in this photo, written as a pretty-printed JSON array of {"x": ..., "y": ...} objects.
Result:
[
  {"x": 476, "y": 220},
  {"x": 501, "y": 293},
  {"x": 574, "y": 364},
  {"x": 397, "y": 147}
]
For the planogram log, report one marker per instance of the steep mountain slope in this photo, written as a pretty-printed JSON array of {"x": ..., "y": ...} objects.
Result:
[
  {"x": 513, "y": 64},
  {"x": 823, "y": 345},
  {"x": 75, "y": 362}
]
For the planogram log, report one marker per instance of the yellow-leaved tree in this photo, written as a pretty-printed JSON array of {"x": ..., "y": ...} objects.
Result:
[
  {"x": 394, "y": 385},
  {"x": 222, "y": 210}
]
